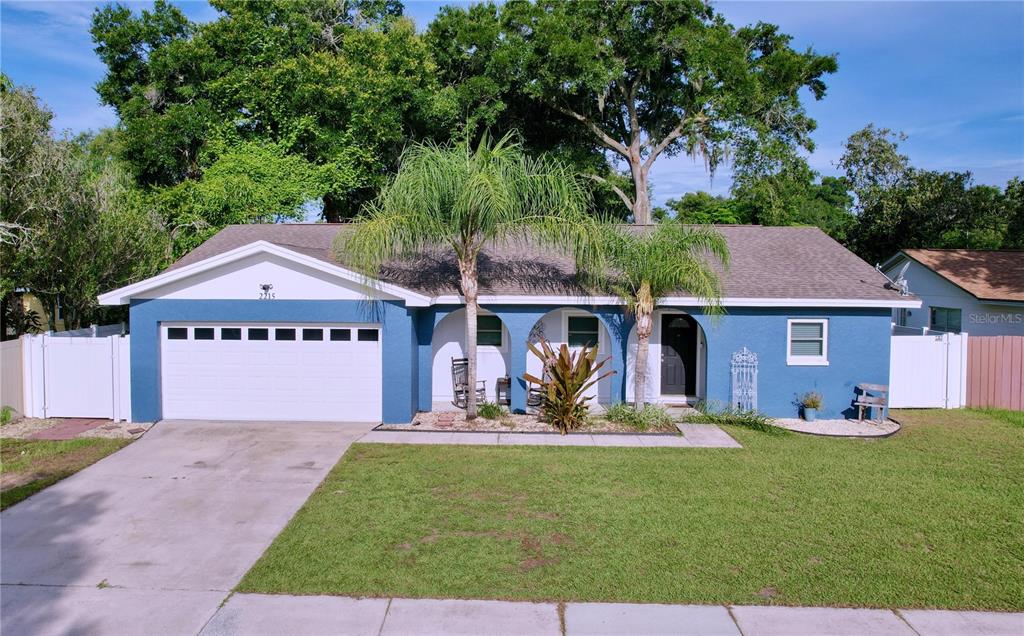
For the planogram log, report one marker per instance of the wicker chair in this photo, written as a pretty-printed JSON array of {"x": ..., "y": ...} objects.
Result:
[{"x": 460, "y": 384}]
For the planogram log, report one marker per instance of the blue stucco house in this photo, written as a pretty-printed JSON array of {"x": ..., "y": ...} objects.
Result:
[{"x": 263, "y": 322}]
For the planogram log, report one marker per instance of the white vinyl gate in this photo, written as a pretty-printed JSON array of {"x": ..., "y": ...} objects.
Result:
[
  {"x": 76, "y": 376},
  {"x": 928, "y": 371}
]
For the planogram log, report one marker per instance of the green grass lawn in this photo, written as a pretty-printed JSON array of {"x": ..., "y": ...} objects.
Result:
[
  {"x": 28, "y": 466},
  {"x": 932, "y": 517}
]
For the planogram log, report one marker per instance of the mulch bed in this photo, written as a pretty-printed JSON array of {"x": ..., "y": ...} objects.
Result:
[{"x": 519, "y": 423}]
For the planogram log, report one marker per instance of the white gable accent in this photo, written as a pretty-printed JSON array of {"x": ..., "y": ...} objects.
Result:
[
  {"x": 238, "y": 274},
  {"x": 242, "y": 280}
]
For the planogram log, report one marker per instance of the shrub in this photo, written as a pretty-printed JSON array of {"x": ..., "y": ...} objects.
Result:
[
  {"x": 567, "y": 376},
  {"x": 491, "y": 411},
  {"x": 651, "y": 416},
  {"x": 713, "y": 414},
  {"x": 6, "y": 413},
  {"x": 620, "y": 412},
  {"x": 811, "y": 400}
]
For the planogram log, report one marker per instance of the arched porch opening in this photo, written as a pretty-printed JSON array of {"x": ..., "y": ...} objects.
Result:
[
  {"x": 677, "y": 359},
  {"x": 449, "y": 341},
  {"x": 574, "y": 327}
]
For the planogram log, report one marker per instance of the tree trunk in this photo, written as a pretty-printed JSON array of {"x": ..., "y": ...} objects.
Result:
[
  {"x": 642, "y": 197},
  {"x": 643, "y": 347},
  {"x": 332, "y": 209},
  {"x": 467, "y": 268},
  {"x": 643, "y": 309}
]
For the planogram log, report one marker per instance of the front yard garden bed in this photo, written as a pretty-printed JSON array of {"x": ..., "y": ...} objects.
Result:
[
  {"x": 932, "y": 517},
  {"x": 520, "y": 423}
]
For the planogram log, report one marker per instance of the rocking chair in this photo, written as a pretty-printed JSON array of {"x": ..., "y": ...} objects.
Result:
[{"x": 460, "y": 384}]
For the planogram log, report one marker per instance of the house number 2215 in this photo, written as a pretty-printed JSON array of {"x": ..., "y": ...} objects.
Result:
[{"x": 266, "y": 292}]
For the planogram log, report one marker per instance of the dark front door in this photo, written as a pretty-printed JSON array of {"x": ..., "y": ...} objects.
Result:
[{"x": 678, "y": 355}]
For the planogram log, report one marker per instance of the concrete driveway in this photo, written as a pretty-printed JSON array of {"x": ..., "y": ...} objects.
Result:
[{"x": 150, "y": 539}]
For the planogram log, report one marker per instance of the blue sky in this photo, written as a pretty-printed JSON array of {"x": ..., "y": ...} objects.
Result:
[{"x": 949, "y": 74}]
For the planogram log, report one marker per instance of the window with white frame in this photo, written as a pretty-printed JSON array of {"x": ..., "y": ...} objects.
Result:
[
  {"x": 807, "y": 342},
  {"x": 488, "y": 331},
  {"x": 582, "y": 331}
]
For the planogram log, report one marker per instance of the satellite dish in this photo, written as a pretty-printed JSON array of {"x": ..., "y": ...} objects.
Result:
[{"x": 900, "y": 282}]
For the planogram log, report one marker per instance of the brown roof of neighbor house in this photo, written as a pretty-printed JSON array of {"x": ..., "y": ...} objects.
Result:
[
  {"x": 985, "y": 274},
  {"x": 767, "y": 262}
]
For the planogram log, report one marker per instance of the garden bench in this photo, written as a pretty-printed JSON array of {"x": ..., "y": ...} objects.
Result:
[{"x": 865, "y": 399}]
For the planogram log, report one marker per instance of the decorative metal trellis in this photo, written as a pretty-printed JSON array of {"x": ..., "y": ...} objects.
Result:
[{"x": 744, "y": 380}]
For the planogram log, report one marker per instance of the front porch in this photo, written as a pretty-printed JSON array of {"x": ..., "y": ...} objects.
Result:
[{"x": 677, "y": 370}]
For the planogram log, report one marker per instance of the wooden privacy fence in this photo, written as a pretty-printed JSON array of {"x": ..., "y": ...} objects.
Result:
[{"x": 995, "y": 372}]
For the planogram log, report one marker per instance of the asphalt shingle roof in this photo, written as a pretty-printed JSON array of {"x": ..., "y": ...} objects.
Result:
[
  {"x": 767, "y": 262},
  {"x": 985, "y": 274}
]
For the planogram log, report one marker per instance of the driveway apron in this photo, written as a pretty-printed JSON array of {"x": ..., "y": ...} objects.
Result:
[{"x": 151, "y": 538}]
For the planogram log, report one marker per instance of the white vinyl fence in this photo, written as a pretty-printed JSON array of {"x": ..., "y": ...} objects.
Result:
[
  {"x": 72, "y": 374},
  {"x": 928, "y": 371}
]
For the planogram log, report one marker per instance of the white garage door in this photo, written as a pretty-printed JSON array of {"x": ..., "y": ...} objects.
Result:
[{"x": 269, "y": 371}]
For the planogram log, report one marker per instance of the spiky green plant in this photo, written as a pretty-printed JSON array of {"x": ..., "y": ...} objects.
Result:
[
  {"x": 651, "y": 261},
  {"x": 567, "y": 376},
  {"x": 463, "y": 197}
]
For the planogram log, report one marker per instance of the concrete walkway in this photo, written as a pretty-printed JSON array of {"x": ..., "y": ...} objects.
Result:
[
  {"x": 261, "y": 614},
  {"x": 693, "y": 436},
  {"x": 151, "y": 539}
]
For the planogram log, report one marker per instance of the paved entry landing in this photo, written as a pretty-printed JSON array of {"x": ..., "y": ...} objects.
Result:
[{"x": 150, "y": 539}]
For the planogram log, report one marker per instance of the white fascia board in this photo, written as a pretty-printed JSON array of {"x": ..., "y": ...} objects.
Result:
[
  {"x": 682, "y": 301},
  {"x": 453, "y": 299},
  {"x": 123, "y": 295}
]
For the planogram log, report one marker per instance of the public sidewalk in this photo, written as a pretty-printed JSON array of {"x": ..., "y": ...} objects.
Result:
[
  {"x": 268, "y": 614},
  {"x": 693, "y": 436}
]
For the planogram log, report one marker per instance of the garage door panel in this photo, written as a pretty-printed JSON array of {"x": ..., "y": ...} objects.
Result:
[{"x": 271, "y": 379}]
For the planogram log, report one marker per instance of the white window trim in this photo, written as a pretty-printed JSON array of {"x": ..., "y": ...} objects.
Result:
[
  {"x": 807, "y": 361},
  {"x": 579, "y": 313},
  {"x": 504, "y": 335}
]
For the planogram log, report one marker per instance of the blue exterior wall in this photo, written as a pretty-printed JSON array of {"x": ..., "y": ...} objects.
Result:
[
  {"x": 398, "y": 327},
  {"x": 858, "y": 348},
  {"x": 858, "y": 351}
]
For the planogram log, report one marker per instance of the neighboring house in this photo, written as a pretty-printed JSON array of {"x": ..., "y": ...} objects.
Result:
[
  {"x": 27, "y": 303},
  {"x": 261, "y": 322},
  {"x": 980, "y": 292}
]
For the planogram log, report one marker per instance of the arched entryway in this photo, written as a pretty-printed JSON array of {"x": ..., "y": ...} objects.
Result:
[
  {"x": 677, "y": 360},
  {"x": 576, "y": 327},
  {"x": 449, "y": 341}
]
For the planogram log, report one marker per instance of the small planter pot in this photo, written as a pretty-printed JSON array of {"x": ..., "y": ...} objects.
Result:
[{"x": 810, "y": 414}]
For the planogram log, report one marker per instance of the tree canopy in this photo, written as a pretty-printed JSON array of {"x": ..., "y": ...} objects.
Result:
[
  {"x": 279, "y": 110},
  {"x": 76, "y": 223},
  {"x": 343, "y": 86},
  {"x": 638, "y": 80}
]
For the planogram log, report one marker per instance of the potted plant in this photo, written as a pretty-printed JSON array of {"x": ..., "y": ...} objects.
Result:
[{"x": 811, "y": 402}]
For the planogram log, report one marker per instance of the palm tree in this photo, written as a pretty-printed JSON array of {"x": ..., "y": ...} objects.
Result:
[
  {"x": 648, "y": 262},
  {"x": 463, "y": 197}
]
